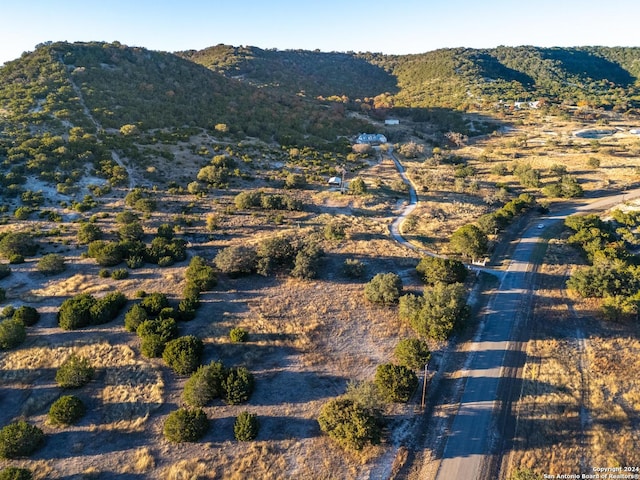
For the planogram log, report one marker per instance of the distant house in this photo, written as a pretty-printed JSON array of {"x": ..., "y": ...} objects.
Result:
[
  {"x": 335, "y": 181},
  {"x": 519, "y": 105},
  {"x": 371, "y": 138},
  {"x": 392, "y": 121},
  {"x": 635, "y": 131}
]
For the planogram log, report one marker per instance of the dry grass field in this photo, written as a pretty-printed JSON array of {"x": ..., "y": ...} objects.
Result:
[
  {"x": 579, "y": 406},
  {"x": 308, "y": 339}
]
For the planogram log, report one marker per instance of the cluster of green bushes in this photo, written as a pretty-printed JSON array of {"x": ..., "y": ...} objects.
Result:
[
  {"x": 384, "y": 288},
  {"x": 85, "y": 309},
  {"x": 51, "y": 264},
  {"x": 355, "y": 419},
  {"x": 14, "y": 246},
  {"x": 191, "y": 424},
  {"x": 162, "y": 251},
  {"x": 13, "y": 325},
  {"x": 528, "y": 176},
  {"x": 200, "y": 277},
  {"x": 436, "y": 269},
  {"x": 74, "y": 372},
  {"x": 494, "y": 222},
  {"x": 155, "y": 334},
  {"x": 267, "y": 201},
  {"x": 614, "y": 274},
  {"x": 209, "y": 382},
  {"x": 566, "y": 187},
  {"x": 218, "y": 172},
  {"x": 20, "y": 439},
  {"x": 441, "y": 308},
  {"x": 300, "y": 257},
  {"x": 154, "y": 321},
  {"x": 141, "y": 200}
]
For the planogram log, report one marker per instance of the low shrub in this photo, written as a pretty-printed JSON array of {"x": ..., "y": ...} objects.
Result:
[
  {"x": 29, "y": 316},
  {"x": 166, "y": 328},
  {"x": 134, "y": 317},
  {"x": 335, "y": 230},
  {"x": 153, "y": 303},
  {"x": 106, "y": 254},
  {"x": 120, "y": 274},
  {"x": 67, "y": 410},
  {"x": 353, "y": 268},
  {"x": 51, "y": 264},
  {"x": 205, "y": 385},
  {"x": 152, "y": 346},
  {"x": 412, "y": 353},
  {"x": 246, "y": 427},
  {"x": 167, "y": 312},
  {"x": 5, "y": 270},
  {"x": 15, "y": 473},
  {"x": 238, "y": 386},
  {"x": 349, "y": 423},
  {"x": 384, "y": 288},
  {"x": 201, "y": 274},
  {"x": 17, "y": 244},
  {"x": 184, "y": 425},
  {"x": 12, "y": 333},
  {"x": 107, "y": 308},
  {"x": 396, "y": 383},
  {"x": 236, "y": 260},
  {"x": 238, "y": 335},
  {"x": 166, "y": 261},
  {"x": 74, "y": 372},
  {"x": 75, "y": 312},
  {"x": 20, "y": 439},
  {"x": 16, "y": 259},
  {"x": 183, "y": 354}
]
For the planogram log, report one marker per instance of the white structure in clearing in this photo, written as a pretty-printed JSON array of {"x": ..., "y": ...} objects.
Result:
[{"x": 371, "y": 138}]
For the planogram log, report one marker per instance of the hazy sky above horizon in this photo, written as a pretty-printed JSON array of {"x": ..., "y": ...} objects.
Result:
[{"x": 398, "y": 27}]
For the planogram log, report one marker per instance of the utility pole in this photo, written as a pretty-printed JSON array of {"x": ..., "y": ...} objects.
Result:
[
  {"x": 343, "y": 171},
  {"x": 424, "y": 386}
]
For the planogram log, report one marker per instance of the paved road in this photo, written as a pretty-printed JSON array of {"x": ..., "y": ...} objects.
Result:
[
  {"x": 473, "y": 436},
  {"x": 472, "y": 433}
]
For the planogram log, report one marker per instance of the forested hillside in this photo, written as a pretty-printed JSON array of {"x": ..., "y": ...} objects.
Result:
[
  {"x": 120, "y": 85},
  {"x": 456, "y": 78},
  {"x": 298, "y": 71}
]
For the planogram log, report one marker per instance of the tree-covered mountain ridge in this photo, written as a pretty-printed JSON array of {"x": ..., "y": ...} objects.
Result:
[
  {"x": 273, "y": 94},
  {"x": 454, "y": 77},
  {"x": 96, "y": 85}
]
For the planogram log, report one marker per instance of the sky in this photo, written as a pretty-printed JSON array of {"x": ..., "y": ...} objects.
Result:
[{"x": 390, "y": 26}]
